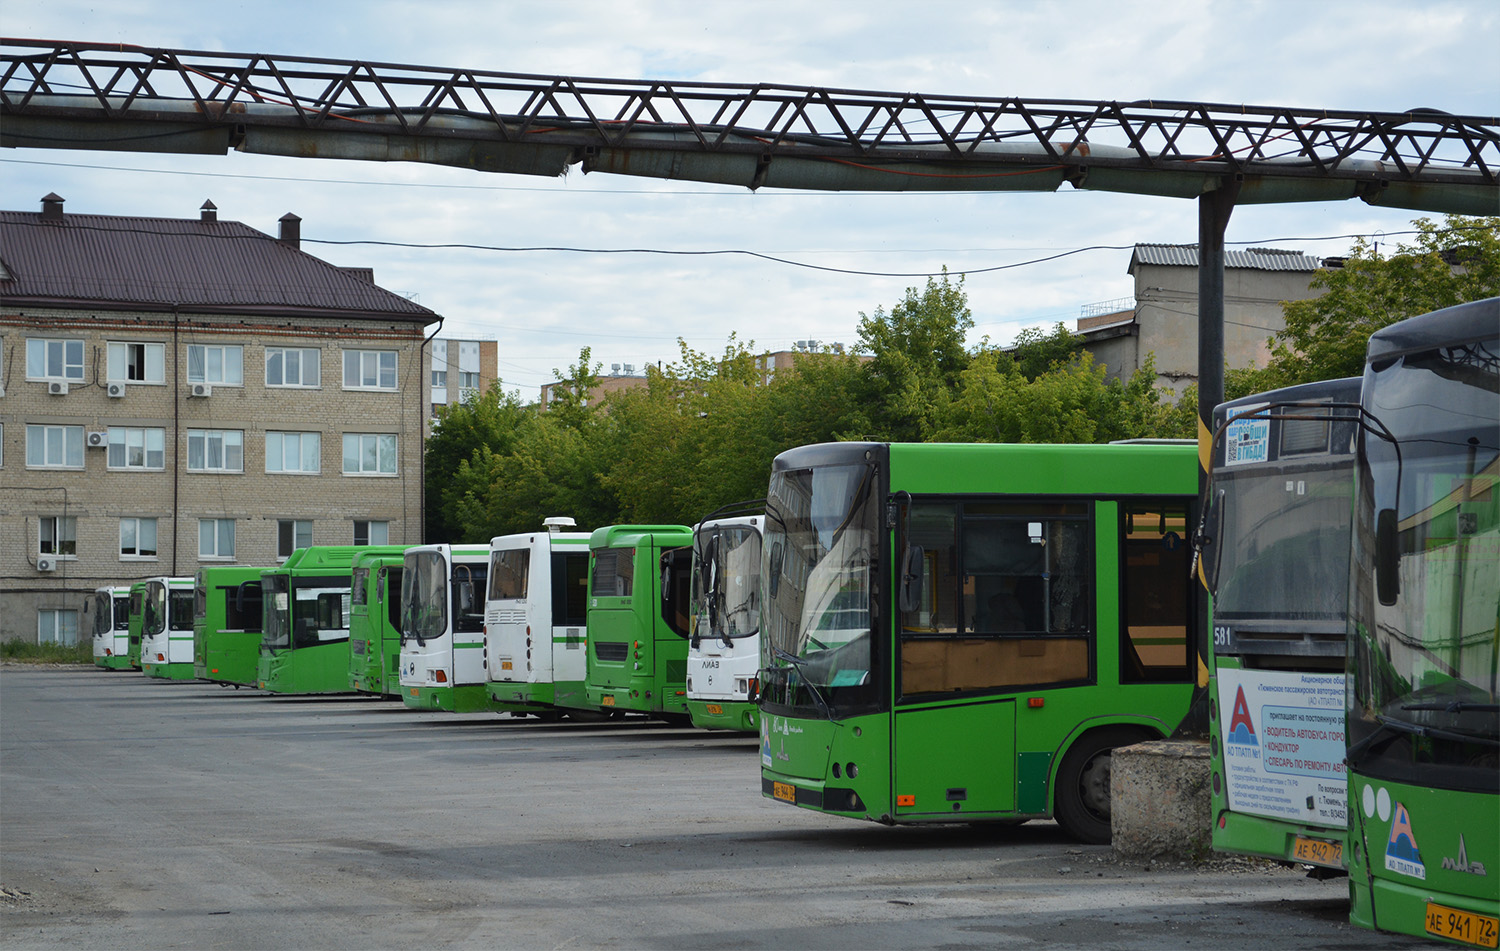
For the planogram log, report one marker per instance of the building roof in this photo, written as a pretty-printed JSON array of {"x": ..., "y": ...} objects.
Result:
[
  {"x": 1255, "y": 259},
  {"x": 115, "y": 262}
]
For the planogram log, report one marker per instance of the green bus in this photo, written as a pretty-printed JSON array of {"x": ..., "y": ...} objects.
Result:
[
  {"x": 1423, "y": 703},
  {"x": 226, "y": 625},
  {"x": 107, "y": 615},
  {"x": 1275, "y": 556},
  {"x": 167, "y": 628},
  {"x": 375, "y": 624},
  {"x": 304, "y": 646},
  {"x": 962, "y": 633},
  {"x": 442, "y": 628},
  {"x": 638, "y": 620}
]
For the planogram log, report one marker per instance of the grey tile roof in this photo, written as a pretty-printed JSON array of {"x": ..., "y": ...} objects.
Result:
[
  {"x": 1256, "y": 259},
  {"x": 212, "y": 266}
]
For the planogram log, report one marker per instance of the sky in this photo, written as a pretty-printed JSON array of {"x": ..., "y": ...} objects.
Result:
[{"x": 543, "y": 306}]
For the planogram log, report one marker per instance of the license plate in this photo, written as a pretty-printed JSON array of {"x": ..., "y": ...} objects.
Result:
[
  {"x": 608, "y": 701},
  {"x": 786, "y": 792},
  {"x": 1482, "y": 931},
  {"x": 1318, "y": 852},
  {"x": 715, "y": 709}
]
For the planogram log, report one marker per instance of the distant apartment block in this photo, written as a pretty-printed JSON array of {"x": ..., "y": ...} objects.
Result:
[
  {"x": 461, "y": 369},
  {"x": 177, "y": 393}
]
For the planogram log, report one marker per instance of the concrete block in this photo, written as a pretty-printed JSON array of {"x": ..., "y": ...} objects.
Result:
[{"x": 1159, "y": 800}]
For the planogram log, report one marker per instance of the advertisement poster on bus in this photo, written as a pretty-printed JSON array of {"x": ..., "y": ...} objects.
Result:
[{"x": 1283, "y": 735}]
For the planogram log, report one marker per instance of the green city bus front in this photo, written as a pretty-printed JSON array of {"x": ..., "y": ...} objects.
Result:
[
  {"x": 442, "y": 628},
  {"x": 965, "y": 633},
  {"x": 109, "y": 611},
  {"x": 167, "y": 629},
  {"x": 1423, "y": 716}
]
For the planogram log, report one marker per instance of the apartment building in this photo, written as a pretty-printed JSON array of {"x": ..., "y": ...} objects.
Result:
[
  {"x": 184, "y": 392},
  {"x": 461, "y": 368}
]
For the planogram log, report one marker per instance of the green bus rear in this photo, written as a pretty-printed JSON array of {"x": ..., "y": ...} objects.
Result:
[
  {"x": 638, "y": 620},
  {"x": 305, "y": 627},
  {"x": 375, "y": 624},
  {"x": 1423, "y": 714},
  {"x": 965, "y": 632},
  {"x": 226, "y": 624}
]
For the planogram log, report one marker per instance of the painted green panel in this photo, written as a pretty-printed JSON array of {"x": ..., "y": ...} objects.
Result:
[{"x": 956, "y": 760}]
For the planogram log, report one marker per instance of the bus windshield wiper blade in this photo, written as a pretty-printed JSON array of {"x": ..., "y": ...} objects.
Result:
[
  {"x": 1454, "y": 706},
  {"x": 796, "y": 663}
]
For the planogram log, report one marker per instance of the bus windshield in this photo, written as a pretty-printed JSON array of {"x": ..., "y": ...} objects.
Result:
[
  {"x": 1423, "y": 649},
  {"x": 154, "y": 615},
  {"x": 1285, "y": 536},
  {"x": 816, "y": 573},
  {"x": 424, "y": 596},
  {"x": 726, "y": 563}
]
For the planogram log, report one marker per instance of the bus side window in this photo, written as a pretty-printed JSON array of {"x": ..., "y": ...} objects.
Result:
[{"x": 1157, "y": 592}]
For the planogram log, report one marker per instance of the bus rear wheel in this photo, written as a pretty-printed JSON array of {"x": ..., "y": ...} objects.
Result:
[{"x": 1082, "y": 798}]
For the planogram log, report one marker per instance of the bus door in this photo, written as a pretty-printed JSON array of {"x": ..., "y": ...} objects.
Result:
[{"x": 994, "y": 598}]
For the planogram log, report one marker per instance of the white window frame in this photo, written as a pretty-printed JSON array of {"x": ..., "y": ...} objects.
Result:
[
  {"x": 363, "y": 442},
  {"x": 369, "y": 530},
  {"x": 228, "y": 439},
  {"x": 297, "y": 526},
  {"x": 468, "y": 379},
  {"x": 303, "y": 354},
  {"x": 369, "y": 365},
  {"x": 54, "y": 615},
  {"x": 231, "y": 364},
  {"x": 120, "y": 436},
  {"x": 440, "y": 379},
  {"x": 276, "y": 449},
  {"x": 68, "y": 438},
  {"x": 63, "y": 530},
  {"x": 137, "y": 526},
  {"x": 214, "y": 552},
  {"x": 38, "y": 358},
  {"x": 152, "y": 362}
]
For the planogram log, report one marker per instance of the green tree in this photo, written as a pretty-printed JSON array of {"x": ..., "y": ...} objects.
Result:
[
  {"x": 1448, "y": 263},
  {"x": 919, "y": 354},
  {"x": 1036, "y": 351},
  {"x": 487, "y": 421}
]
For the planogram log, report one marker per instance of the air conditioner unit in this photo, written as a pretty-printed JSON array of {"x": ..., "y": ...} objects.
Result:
[
  {"x": 116, "y": 390},
  {"x": 201, "y": 390},
  {"x": 46, "y": 563},
  {"x": 98, "y": 440},
  {"x": 57, "y": 388}
]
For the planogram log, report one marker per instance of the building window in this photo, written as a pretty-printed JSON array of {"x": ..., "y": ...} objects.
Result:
[
  {"x": 131, "y": 448},
  {"x": 292, "y": 534},
  {"x": 216, "y": 450},
  {"x": 57, "y": 626},
  {"x": 469, "y": 381},
  {"x": 54, "y": 447},
  {"x": 137, "y": 538},
  {"x": 369, "y": 369},
  {"x": 439, "y": 377},
  {"x": 220, "y": 365},
  {"x": 372, "y": 533},
  {"x": 54, "y": 359},
  {"x": 369, "y": 454},
  {"x": 137, "y": 362},
  {"x": 57, "y": 535},
  {"x": 294, "y": 452},
  {"x": 215, "y": 538},
  {"x": 288, "y": 366}
]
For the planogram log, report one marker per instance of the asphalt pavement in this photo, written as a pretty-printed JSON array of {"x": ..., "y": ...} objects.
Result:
[{"x": 139, "y": 813}]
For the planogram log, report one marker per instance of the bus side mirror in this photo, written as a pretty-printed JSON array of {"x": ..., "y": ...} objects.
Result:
[
  {"x": 913, "y": 564},
  {"x": 465, "y": 597},
  {"x": 1387, "y": 556}
]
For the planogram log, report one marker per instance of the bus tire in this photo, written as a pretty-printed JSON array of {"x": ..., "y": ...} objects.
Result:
[{"x": 1081, "y": 803}]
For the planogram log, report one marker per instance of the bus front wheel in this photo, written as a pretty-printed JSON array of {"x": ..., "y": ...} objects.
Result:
[{"x": 1082, "y": 800}]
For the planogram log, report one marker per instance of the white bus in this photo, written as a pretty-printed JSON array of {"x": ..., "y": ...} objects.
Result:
[
  {"x": 107, "y": 614},
  {"x": 442, "y": 627},
  {"x": 534, "y": 619},
  {"x": 167, "y": 629},
  {"x": 724, "y": 649}
]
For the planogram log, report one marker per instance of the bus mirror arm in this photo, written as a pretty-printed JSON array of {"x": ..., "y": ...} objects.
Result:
[
  {"x": 912, "y": 564},
  {"x": 1387, "y": 557},
  {"x": 752, "y": 692}
]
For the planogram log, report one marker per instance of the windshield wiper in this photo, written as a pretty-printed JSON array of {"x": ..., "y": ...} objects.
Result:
[
  {"x": 1454, "y": 706},
  {"x": 796, "y": 663},
  {"x": 1390, "y": 725}
]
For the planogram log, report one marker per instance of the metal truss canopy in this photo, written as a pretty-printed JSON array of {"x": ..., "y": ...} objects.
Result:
[{"x": 113, "y": 97}]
